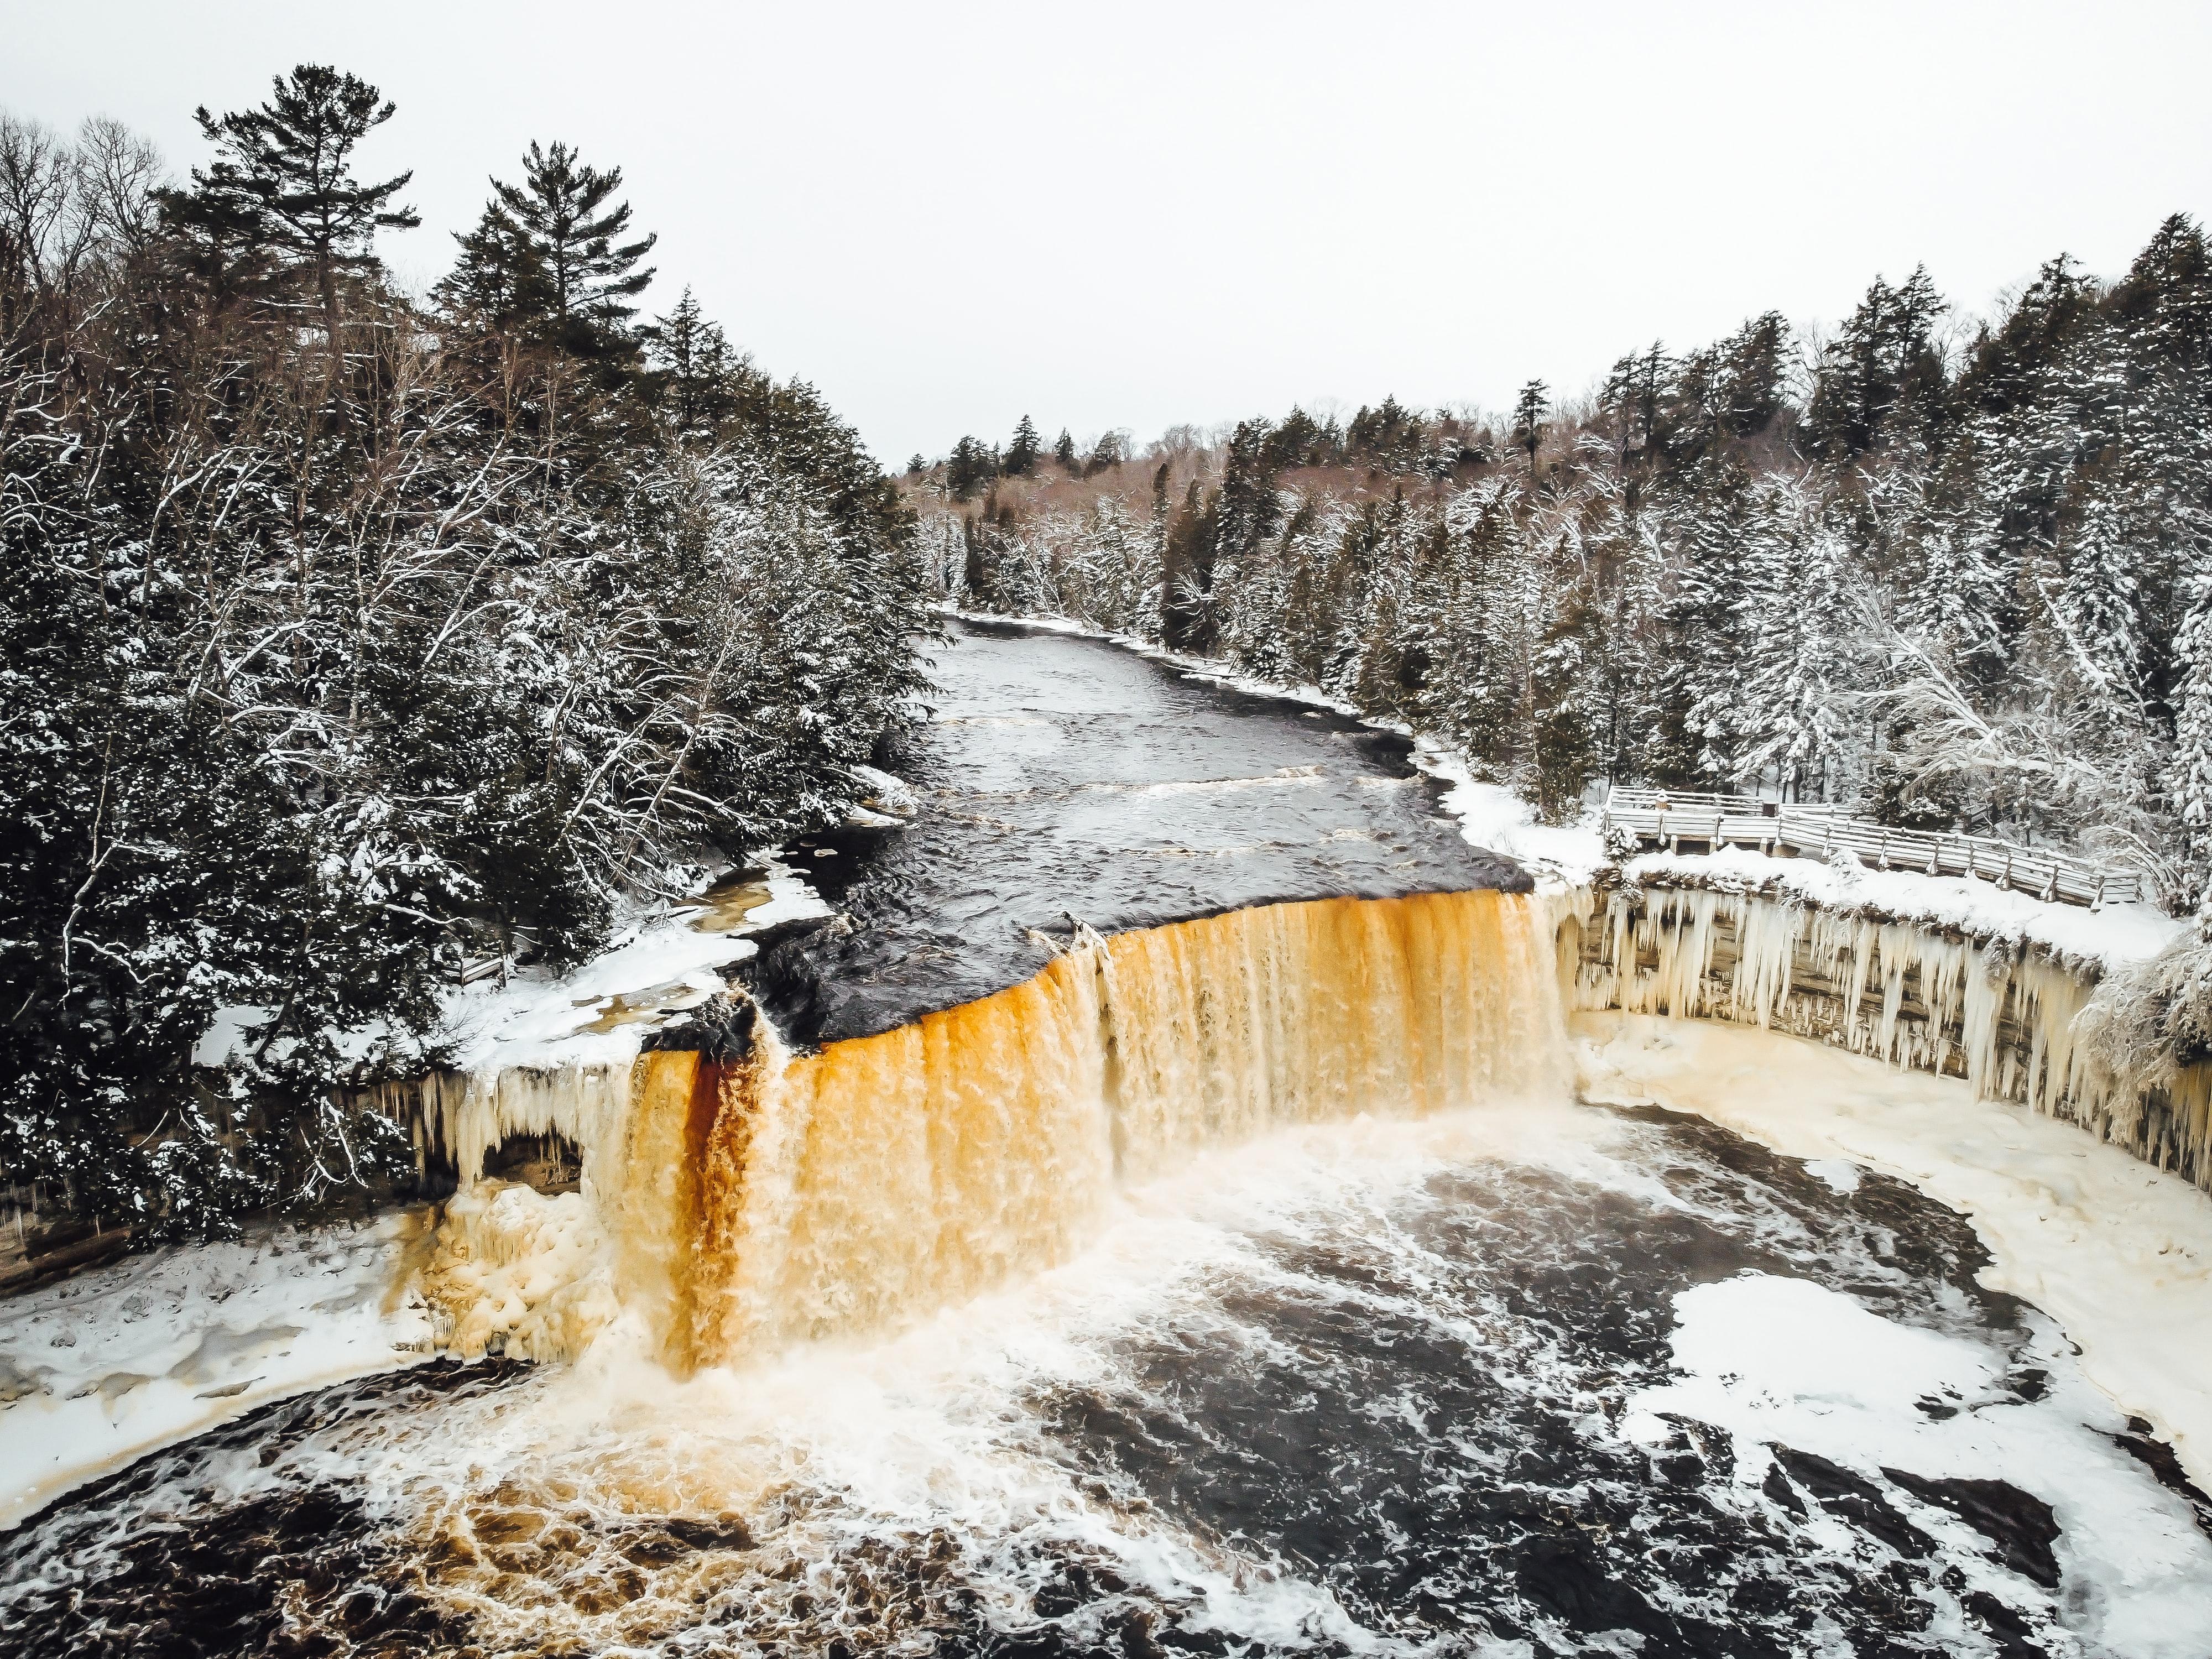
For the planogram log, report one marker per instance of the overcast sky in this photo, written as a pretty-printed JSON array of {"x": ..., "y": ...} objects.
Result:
[{"x": 1134, "y": 215}]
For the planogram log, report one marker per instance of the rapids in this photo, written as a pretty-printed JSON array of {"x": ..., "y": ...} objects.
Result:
[{"x": 1542, "y": 1379}]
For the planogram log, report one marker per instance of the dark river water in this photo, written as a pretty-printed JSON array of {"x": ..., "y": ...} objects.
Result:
[
  {"x": 1066, "y": 779},
  {"x": 1530, "y": 1380}
]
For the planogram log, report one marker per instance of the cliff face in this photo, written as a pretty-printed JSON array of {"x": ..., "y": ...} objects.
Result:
[{"x": 1995, "y": 1011}]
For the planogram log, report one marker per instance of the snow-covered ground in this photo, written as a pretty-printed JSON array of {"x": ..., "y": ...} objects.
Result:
[
  {"x": 2120, "y": 1254},
  {"x": 1492, "y": 816},
  {"x": 597, "y": 1013},
  {"x": 663, "y": 960},
  {"x": 106, "y": 1365}
]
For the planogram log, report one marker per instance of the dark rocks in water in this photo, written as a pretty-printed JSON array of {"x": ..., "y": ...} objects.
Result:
[
  {"x": 722, "y": 1028},
  {"x": 2020, "y": 1524},
  {"x": 177, "y": 1555},
  {"x": 2141, "y": 1443},
  {"x": 1856, "y": 1499},
  {"x": 1068, "y": 780}
]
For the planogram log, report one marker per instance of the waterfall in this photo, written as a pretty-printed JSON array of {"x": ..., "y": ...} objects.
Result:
[{"x": 736, "y": 1204}]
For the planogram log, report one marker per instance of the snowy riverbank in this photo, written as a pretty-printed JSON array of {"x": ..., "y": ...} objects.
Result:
[
  {"x": 104, "y": 1366},
  {"x": 2118, "y": 1253}
]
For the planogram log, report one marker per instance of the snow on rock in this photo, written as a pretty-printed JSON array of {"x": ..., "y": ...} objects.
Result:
[
  {"x": 597, "y": 1013},
  {"x": 111, "y": 1363},
  {"x": 2118, "y": 1252},
  {"x": 1782, "y": 1361}
]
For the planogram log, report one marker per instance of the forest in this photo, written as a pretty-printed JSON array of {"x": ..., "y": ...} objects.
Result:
[
  {"x": 1956, "y": 571},
  {"x": 352, "y": 640}
]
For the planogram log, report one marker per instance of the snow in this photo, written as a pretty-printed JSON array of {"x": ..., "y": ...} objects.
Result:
[
  {"x": 109, "y": 1365},
  {"x": 661, "y": 965},
  {"x": 1781, "y": 1360},
  {"x": 1211, "y": 670},
  {"x": 2120, "y": 1254},
  {"x": 1492, "y": 815},
  {"x": 664, "y": 960},
  {"x": 2107, "y": 938}
]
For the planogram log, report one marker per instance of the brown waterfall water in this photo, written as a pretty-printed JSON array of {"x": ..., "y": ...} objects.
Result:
[{"x": 780, "y": 1199}]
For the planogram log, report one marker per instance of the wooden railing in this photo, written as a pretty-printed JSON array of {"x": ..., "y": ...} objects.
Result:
[{"x": 1666, "y": 818}]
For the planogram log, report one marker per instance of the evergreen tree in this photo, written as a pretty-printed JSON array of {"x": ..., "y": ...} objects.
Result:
[
  {"x": 562, "y": 221},
  {"x": 693, "y": 354},
  {"x": 1021, "y": 457},
  {"x": 2189, "y": 781},
  {"x": 1529, "y": 408},
  {"x": 285, "y": 180},
  {"x": 1881, "y": 376},
  {"x": 1106, "y": 454},
  {"x": 1799, "y": 668},
  {"x": 971, "y": 466},
  {"x": 1753, "y": 364},
  {"x": 497, "y": 283},
  {"x": 1248, "y": 507},
  {"x": 1564, "y": 748},
  {"x": 1063, "y": 452}
]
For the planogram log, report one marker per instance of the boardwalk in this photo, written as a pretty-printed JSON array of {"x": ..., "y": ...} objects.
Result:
[{"x": 1681, "y": 822}]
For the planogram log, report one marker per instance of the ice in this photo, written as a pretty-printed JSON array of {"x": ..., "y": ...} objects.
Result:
[
  {"x": 2119, "y": 1253},
  {"x": 1783, "y": 1361},
  {"x": 103, "y": 1366}
]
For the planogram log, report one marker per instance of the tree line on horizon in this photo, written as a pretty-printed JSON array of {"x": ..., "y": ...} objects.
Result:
[
  {"x": 348, "y": 638},
  {"x": 1963, "y": 584}
]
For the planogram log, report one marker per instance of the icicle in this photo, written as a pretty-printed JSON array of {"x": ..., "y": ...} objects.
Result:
[{"x": 2004, "y": 1019}]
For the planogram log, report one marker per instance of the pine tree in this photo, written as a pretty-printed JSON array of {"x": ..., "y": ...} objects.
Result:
[
  {"x": 1528, "y": 411},
  {"x": 497, "y": 283},
  {"x": 286, "y": 178},
  {"x": 694, "y": 356},
  {"x": 970, "y": 466},
  {"x": 1882, "y": 376},
  {"x": 1063, "y": 452},
  {"x": 1699, "y": 737},
  {"x": 1106, "y": 454},
  {"x": 562, "y": 219},
  {"x": 1249, "y": 509},
  {"x": 2189, "y": 779},
  {"x": 1021, "y": 457},
  {"x": 1794, "y": 715},
  {"x": 1753, "y": 364}
]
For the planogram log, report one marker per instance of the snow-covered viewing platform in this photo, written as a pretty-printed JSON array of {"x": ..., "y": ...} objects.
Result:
[{"x": 1681, "y": 821}]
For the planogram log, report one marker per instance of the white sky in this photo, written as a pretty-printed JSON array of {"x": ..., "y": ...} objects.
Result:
[{"x": 1138, "y": 215}]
